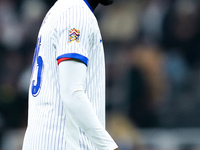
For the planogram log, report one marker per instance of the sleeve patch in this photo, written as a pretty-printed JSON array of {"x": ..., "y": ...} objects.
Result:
[{"x": 74, "y": 35}]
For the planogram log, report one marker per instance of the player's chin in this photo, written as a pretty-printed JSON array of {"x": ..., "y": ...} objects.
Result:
[{"x": 106, "y": 2}]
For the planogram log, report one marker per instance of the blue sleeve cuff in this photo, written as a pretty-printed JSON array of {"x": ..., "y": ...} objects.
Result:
[{"x": 74, "y": 56}]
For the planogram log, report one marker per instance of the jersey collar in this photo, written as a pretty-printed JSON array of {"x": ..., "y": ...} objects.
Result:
[{"x": 88, "y": 5}]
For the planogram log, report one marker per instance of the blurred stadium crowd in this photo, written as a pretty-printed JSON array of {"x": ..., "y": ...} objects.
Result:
[{"x": 152, "y": 60}]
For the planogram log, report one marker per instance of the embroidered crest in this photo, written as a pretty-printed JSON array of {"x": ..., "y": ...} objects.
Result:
[{"x": 74, "y": 35}]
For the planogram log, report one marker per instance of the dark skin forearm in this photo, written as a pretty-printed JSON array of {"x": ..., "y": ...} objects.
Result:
[{"x": 117, "y": 149}]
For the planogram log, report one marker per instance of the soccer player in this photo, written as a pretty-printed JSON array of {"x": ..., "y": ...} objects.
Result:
[{"x": 67, "y": 88}]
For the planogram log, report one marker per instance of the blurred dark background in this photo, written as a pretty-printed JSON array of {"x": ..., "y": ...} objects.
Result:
[{"x": 152, "y": 52}]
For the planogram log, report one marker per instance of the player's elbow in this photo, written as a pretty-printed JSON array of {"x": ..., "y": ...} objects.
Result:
[
  {"x": 76, "y": 89},
  {"x": 74, "y": 100},
  {"x": 72, "y": 93}
]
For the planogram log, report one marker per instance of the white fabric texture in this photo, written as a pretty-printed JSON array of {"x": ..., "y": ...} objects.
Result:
[{"x": 72, "y": 76}]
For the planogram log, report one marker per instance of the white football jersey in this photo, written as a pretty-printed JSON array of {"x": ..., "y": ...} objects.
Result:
[{"x": 69, "y": 30}]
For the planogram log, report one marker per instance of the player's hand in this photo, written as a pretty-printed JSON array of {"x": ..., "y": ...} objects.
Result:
[{"x": 117, "y": 149}]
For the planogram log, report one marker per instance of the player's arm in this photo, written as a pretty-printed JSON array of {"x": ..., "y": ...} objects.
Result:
[{"x": 72, "y": 76}]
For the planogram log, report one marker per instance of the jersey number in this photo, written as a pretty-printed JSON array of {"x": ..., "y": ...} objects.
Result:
[{"x": 36, "y": 84}]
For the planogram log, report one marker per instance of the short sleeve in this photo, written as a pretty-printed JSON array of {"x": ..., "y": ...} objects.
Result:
[{"x": 73, "y": 35}]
